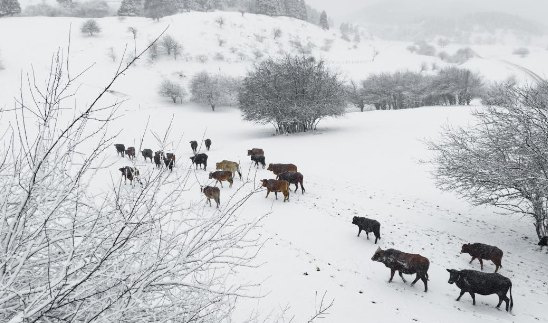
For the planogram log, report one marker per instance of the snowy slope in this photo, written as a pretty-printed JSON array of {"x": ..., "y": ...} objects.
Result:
[{"x": 365, "y": 164}]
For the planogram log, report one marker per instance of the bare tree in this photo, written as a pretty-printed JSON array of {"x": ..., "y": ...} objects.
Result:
[
  {"x": 424, "y": 67},
  {"x": 111, "y": 53},
  {"x": 68, "y": 253},
  {"x": 355, "y": 96},
  {"x": 169, "y": 44},
  {"x": 212, "y": 90},
  {"x": 277, "y": 33},
  {"x": 220, "y": 21},
  {"x": 502, "y": 160},
  {"x": 172, "y": 90}
]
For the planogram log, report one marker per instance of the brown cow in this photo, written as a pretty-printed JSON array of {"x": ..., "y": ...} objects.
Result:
[
  {"x": 220, "y": 176},
  {"x": 147, "y": 153},
  {"x": 273, "y": 185},
  {"x": 255, "y": 151},
  {"x": 207, "y": 144},
  {"x": 130, "y": 173},
  {"x": 130, "y": 152},
  {"x": 212, "y": 193},
  {"x": 405, "y": 263},
  {"x": 158, "y": 156},
  {"x": 194, "y": 145},
  {"x": 483, "y": 251},
  {"x": 230, "y": 166},
  {"x": 277, "y": 169},
  {"x": 169, "y": 161}
]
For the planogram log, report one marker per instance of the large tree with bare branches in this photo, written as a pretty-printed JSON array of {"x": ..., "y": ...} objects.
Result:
[{"x": 501, "y": 160}]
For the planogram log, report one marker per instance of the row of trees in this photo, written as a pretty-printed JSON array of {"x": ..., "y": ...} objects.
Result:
[
  {"x": 406, "y": 89},
  {"x": 9, "y": 8}
]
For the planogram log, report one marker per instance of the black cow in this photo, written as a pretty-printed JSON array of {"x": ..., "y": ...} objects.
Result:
[
  {"x": 293, "y": 178},
  {"x": 158, "y": 159},
  {"x": 200, "y": 159},
  {"x": 405, "y": 263},
  {"x": 147, "y": 153},
  {"x": 367, "y": 225},
  {"x": 169, "y": 161},
  {"x": 258, "y": 159},
  {"x": 120, "y": 149},
  {"x": 483, "y": 251},
  {"x": 194, "y": 146},
  {"x": 130, "y": 173},
  {"x": 208, "y": 143},
  {"x": 477, "y": 282},
  {"x": 543, "y": 242}
]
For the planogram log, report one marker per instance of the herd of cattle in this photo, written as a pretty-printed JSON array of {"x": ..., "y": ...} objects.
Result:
[{"x": 468, "y": 281}]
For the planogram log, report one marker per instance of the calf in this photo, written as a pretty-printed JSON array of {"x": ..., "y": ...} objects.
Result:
[
  {"x": 476, "y": 282},
  {"x": 129, "y": 173},
  {"x": 200, "y": 159},
  {"x": 130, "y": 152},
  {"x": 194, "y": 146},
  {"x": 273, "y": 185},
  {"x": 483, "y": 251},
  {"x": 212, "y": 193},
  {"x": 147, "y": 153},
  {"x": 255, "y": 151},
  {"x": 158, "y": 159},
  {"x": 277, "y": 169},
  {"x": 169, "y": 161},
  {"x": 258, "y": 159},
  {"x": 207, "y": 144},
  {"x": 293, "y": 178},
  {"x": 405, "y": 263},
  {"x": 120, "y": 149},
  {"x": 220, "y": 176},
  {"x": 230, "y": 166},
  {"x": 368, "y": 225},
  {"x": 543, "y": 242}
]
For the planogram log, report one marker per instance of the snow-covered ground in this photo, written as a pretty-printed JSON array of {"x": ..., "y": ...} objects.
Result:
[{"x": 366, "y": 164}]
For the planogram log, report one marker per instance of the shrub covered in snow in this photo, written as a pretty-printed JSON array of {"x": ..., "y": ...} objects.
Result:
[
  {"x": 90, "y": 27},
  {"x": 172, "y": 90},
  {"x": 213, "y": 90},
  {"x": 522, "y": 52}
]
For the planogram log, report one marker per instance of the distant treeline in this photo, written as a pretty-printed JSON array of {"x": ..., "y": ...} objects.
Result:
[{"x": 406, "y": 89}]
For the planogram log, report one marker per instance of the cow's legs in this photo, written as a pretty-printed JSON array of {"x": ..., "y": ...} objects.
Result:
[
  {"x": 416, "y": 280},
  {"x": 401, "y": 275},
  {"x": 425, "y": 281},
  {"x": 392, "y": 272},
  {"x": 473, "y": 298},
  {"x": 473, "y": 258},
  {"x": 496, "y": 267},
  {"x": 221, "y": 183},
  {"x": 267, "y": 192},
  {"x": 276, "y": 193},
  {"x": 367, "y": 234},
  {"x": 481, "y": 263},
  {"x": 460, "y": 295}
]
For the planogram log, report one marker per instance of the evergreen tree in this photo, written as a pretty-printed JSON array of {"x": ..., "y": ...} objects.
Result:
[
  {"x": 130, "y": 8},
  {"x": 323, "y": 21},
  {"x": 9, "y": 7},
  {"x": 157, "y": 9},
  {"x": 266, "y": 7},
  {"x": 302, "y": 11}
]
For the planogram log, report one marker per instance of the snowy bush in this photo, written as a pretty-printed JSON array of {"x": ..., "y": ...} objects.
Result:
[
  {"x": 213, "y": 90},
  {"x": 276, "y": 33},
  {"x": 412, "y": 48},
  {"x": 260, "y": 37},
  {"x": 327, "y": 44},
  {"x": 90, "y": 9},
  {"x": 522, "y": 52},
  {"x": 157, "y": 9},
  {"x": 170, "y": 46},
  {"x": 219, "y": 57},
  {"x": 423, "y": 48},
  {"x": 220, "y": 21},
  {"x": 130, "y": 8},
  {"x": 111, "y": 53},
  {"x": 9, "y": 8},
  {"x": 221, "y": 42},
  {"x": 302, "y": 90},
  {"x": 90, "y": 27},
  {"x": 233, "y": 49},
  {"x": 202, "y": 58},
  {"x": 443, "y": 42},
  {"x": 153, "y": 52},
  {"x": 258, "y": 54},
  {"x": 133, "y": 31},
  {"x": 172, "y": 90},
  {"x": 443, "y": 56},
  {"x": 424, "y": 67},
  {"x": 462, "y": 55}
]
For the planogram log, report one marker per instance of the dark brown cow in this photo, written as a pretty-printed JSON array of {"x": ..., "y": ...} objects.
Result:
[
  {"x": 255, "y": 151},
  {"x": 200, "y": 159},
  {"x": 258, "y": 159},
  {"x": 404, "y": 263},
  {"x": 277, "y": 169},
  {"x": 120, "y": 149},
  {"x": 293, "y": 178},
  {"x": 207, "y": 144},
  {"x": 129, "y": 173},
  {"x": 158, "y": 159},
  {"x": 220, "y": 176},
  {"x": 543, "y": 242},
  {"x": 212, "y": 193},
  {"x": 147, "y": 153},
  {"x": 483, "y": 251},
  {"x": 193, "y": 145},
  {"x": 169, "y": 161},
  {"x": 273, "y": 185},
  {"x": 130, "y": 152}
]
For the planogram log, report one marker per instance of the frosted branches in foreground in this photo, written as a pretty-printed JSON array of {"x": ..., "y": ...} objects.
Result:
[{"x": 75, "y": 249}]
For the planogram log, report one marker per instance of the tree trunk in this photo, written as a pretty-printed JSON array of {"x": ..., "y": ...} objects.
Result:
[
  {"x": 213, "y": 107},
  {"x": 541, "y": 218}
]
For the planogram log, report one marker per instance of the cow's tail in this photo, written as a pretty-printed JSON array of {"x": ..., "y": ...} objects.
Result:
[{"x": 511, "y": 298}]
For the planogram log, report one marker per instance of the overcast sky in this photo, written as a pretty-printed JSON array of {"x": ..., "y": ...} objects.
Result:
[{"x": 340, "y": 10}]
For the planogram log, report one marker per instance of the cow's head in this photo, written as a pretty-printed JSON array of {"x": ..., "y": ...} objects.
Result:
[
  {"x": 193, "y": 158},
  {"x": 464, "y": 248},
  {"x": 219, "y": 165},
  {"x": 265, "y": 182},
  {"x": 269, "y": 167},
  {"x": 453, "y": 275},
  {"x": 250, "y": 152},
  {"x": 355, "y": 220},
  {"x": 123, "y": 170},
  {"x": 210, "y": 175},
  {"x": 543, "y": 241},
  {"x": 378, "y": 254}
]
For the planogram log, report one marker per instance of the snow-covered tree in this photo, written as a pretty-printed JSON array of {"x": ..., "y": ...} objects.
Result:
[
  {"x": 502, "y": 158},
  {"x": 131, "y": 8},
  {"x": 209, "y": 90},
  {"x": 9, "y": 7},
  {"x": 266, "y": 7},
  {"x": 157, "y": 9},
  {"x": 293, "y": 94},
  {"x": 172, "y": 90},
  {"x": 323, "y": 21},
  {"x": 90, "y": 27},
  {"x": 74, "y": 253}
]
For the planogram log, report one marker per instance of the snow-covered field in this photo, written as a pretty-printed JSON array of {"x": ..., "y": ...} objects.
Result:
[{"x": 366, "y": 164}]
